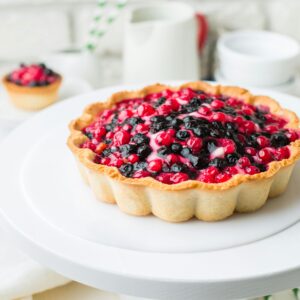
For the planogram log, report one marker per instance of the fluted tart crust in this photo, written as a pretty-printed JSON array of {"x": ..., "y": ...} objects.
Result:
[{"x": 189, "y": 198}]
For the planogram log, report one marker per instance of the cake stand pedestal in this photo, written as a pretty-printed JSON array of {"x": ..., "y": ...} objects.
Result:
[{"x": 48, "y": 213}]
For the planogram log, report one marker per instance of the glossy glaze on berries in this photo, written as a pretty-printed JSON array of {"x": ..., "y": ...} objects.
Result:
[
  {"x": 188, "y": 134},
  {"x": 34, "y": 75}
]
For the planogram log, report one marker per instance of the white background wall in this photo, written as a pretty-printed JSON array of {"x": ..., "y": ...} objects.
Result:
[{"x": 32, "y": 27}]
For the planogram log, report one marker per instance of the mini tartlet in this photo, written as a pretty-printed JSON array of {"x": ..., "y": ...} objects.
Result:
[
  {"x": 197, "y": 150},
  {"x": 32, "y": 87}
]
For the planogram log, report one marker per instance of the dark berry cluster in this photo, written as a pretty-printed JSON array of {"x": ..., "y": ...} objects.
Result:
[{"x": 175, "y": 136}]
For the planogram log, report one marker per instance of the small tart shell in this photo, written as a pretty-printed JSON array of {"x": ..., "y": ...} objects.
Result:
[
  {"x": 32, "y": 98},
  {"x": 192, "y": 198}
]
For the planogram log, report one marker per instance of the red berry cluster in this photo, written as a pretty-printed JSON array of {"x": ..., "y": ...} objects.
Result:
[
  {"x": 32, "y": 75},
  {"x": 174, "y": 136}
]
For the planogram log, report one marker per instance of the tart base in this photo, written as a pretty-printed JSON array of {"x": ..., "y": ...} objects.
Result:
[
  {"x": 183, "y": 201},
  {"x": 32, "y": 98},
  {"x": 179, "y": 206}
]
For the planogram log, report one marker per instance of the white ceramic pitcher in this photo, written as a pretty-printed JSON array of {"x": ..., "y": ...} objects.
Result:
[{"x": 160, "y": 43}]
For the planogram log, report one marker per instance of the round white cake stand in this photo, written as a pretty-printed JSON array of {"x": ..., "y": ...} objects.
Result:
[{"x": 49, "y": 213}]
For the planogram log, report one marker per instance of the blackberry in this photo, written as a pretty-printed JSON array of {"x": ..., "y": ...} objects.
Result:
[
  {"x": 251, "y": 141},
  {"x": 162, "y": 151},
  {"x": 228, "y": 111},
  {"x": 203, "y": 122},
  {"x": 211, "y": 145},
  {"x": 261, "y": 119},
  {"x": 195, "y": 102},
  {"x": 240, "y": 149},
  {"x": 33, "y": 83},
  {"x": 176, "y": 148},
  {"x": 198, "y": 162},
  {"x": 106, "y": 152},
  {"x": 217, "y": 125},
  {"x": 191, "y": 124},
  {"x": 175, "y": 123},
  {"x": 279, "y": 140},
  {"x": 140, "y": 165},
  {"x": 48, "y": 72},
  {"x": 230, "y": 126},
  {"x": 158, "y": 119},
  {"x": 140, "y": 138},
  {"x": 232, "y": 158},
  {"x": 89, "y": 135},
  {"x": 165, "y": 168},
  {"x": 220, "y": 163},
  {"x": 192, "y": 174},
  {"x": 182, "y": 135},
  {"x": 178, "y": 167},
  {"x": 159, "y": 102},
  {"x": 126, "y": 170},
  {"x": 217, "y": 133},
  {"x": 170, "y": 118},
  {"x": 113, "y": 149},
  {"x": 156, "y": 127},
  {"x": 201, "y": 131},
  {"x": 250, "y": 158},
  {"x": 188, "y": 119},
  {"x": 127, "y": 149},
  {"x": 107, "y": 141},
  {"x": 109, "y": 127},
  {"x": 193, "y": 105},
  {"x": 229, "y": 134},
  {"x": 134, "y": 121},
  {"x": 183, "y": 110},
  {"x": 261, "y": 167},
  {"x": 144, "y": 150},
  {"x": 185, "y": 152},
  {"x": 266, "y": 134},
  {"x": 195, "y": 161},
  {"x": 208, "y": 100}
]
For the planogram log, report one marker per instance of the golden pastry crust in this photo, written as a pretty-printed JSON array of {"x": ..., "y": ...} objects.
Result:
[
  {"x": 32, "y": 98},
  {"x": 206, "y": 201}
]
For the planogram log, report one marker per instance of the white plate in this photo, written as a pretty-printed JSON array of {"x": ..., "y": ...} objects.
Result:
[
  {"x": 12, "y": 115},
  {"x": 51, "y": 215},
  {"x": 90, "y": 219}
]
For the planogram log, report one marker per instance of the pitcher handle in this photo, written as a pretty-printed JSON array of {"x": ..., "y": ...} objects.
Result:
[{"x": 202, "y": 30}]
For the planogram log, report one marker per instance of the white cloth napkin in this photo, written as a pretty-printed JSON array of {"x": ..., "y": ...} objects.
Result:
[{"x": 20, "y": 276}]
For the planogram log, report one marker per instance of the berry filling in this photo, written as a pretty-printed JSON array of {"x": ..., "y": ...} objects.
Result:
[
  {"x": 188, "y": 134},
  {"x": 32, "y": 75}
]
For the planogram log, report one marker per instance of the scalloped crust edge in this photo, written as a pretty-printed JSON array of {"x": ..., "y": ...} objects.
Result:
[{"x": 180, "y": 202}]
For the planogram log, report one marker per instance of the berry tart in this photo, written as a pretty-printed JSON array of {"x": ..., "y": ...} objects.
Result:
[
  {"x": 196, "y": 150},
  {"x": 32, "y": 87}
]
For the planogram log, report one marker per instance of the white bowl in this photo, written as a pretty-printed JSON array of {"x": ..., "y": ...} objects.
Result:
[
  {"x": 258, "y": 58},
  {"x": 287, "y": 87}
]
